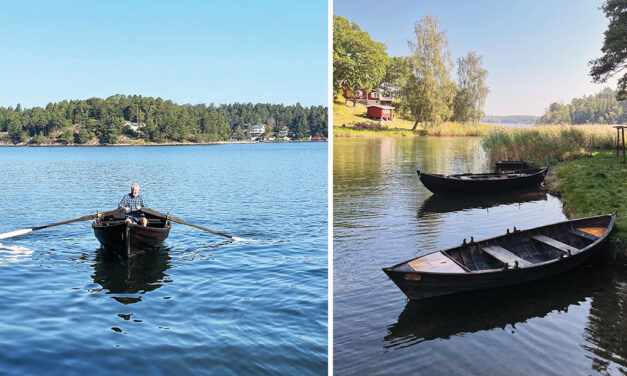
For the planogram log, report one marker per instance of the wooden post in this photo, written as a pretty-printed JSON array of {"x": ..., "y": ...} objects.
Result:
[
  {"x": 617, "y": 140},
  {"x": 624, "y": 160}
]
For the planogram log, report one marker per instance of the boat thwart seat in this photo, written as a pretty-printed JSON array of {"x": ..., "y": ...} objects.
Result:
[
  {"x": 564, "y": 248},
  {"x": 505, "y": 256},
  {"x": 583, "y": 234}
]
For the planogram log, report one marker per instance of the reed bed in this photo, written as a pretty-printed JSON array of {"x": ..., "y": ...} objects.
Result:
[
  {"x": 451, "y": 129},
  {"x": 548, "y": 142},
  {"x": 351, "y": 132}
]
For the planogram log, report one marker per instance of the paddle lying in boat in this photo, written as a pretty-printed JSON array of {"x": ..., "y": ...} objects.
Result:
[
  {"x": 177, "y": 220},
  {"x": 482, "y": 183},
  {"x": 84, "y": 218},
  {"x": 516, "y": 257}
]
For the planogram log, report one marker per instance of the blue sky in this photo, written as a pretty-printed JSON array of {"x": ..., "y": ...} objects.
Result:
[
  {"x": 535, "y": 52},
  {"x": 187, "y": 51}
]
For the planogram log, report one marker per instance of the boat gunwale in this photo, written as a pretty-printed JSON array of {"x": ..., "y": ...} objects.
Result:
[
  {"x": 610, "y": 227},
  {"x": 456, "y": 177}
]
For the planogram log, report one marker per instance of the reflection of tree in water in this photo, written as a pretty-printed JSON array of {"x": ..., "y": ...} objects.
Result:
[
  {"x": 138, "y": 275},
  {"x": 606, "y": 330},
  {"x": 491, "y": 309}
]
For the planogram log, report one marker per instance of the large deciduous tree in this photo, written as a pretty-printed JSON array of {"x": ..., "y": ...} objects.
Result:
[
  {"x": 614, "y": 59},
  {"x": 358, "y": 62},
  {"x": 472, "y": 89},
  {"x": 395, "y": 75},
  {"x": 429, "y": 91}
]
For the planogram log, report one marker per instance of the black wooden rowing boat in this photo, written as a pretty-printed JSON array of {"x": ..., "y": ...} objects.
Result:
[
  {"x": 128, "y": 239},
  {"x": 516, "y": 257},
  {"x": 482, "y": 183}
]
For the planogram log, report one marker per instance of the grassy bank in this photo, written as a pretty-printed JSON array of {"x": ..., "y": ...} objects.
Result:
[
  {"x": 594, "y": 184},
  {"x": 345, "y": 115},
  {"x": 547, "y": 142}
]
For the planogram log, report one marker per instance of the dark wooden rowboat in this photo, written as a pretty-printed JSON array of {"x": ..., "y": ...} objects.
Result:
[
  {"x": 516, "y": 257},
  {"x": 482, "y": 183},
  {"x": 128, "y": 239}
]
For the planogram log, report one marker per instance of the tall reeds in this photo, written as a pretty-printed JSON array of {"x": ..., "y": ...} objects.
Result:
[{"x": 547, "y": 142}]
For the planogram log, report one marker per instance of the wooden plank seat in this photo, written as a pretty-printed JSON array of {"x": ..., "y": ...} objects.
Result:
[
  {"x": 564, "y": 248},
  {"x": 505, "y": 256},
  {"x": 585, "y": 235}
]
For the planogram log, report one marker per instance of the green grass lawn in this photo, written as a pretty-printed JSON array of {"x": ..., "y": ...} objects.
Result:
[
  {"x": 596, "y": 184},
  {"x": 347, "y": 114}
]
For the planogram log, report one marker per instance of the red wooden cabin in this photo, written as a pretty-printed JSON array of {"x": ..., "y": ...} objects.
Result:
[{"x": 380, "y": 111}]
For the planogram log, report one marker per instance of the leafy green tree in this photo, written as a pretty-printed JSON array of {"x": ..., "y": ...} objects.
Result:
[
  {"x": 472, "y": 89},
  {"x": 614, "y": 59},
  {"x": 67, "y": 136},
  {"x": 396, "y": 72},
  {"x": 358, "y": 61},
  {"x": 429, "y": 91},
  {"x": 83, "y": 136}
]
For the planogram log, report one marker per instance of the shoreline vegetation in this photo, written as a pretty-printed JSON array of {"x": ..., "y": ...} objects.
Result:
[
  {"x": 346, "y": 117},
  {"x": 125, "y": 119}
]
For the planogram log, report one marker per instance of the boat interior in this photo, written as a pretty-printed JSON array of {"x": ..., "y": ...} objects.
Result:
[
  {"x": 113, "y": 220},
  {"x": 496, "y": 175},
  {"x": 517, "y": 249}
]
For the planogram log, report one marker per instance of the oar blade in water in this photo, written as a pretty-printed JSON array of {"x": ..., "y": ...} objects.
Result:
[{"x": 11, "y": 234}]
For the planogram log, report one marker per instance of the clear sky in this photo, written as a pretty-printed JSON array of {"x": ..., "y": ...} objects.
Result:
[
  {"x": 535, "y": 52},
  {"x": 269, "y": 51}
]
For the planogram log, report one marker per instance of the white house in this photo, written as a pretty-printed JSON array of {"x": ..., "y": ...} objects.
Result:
[
  {"x": 258, "y": 129},
  {"x": 134, "y": 126}
]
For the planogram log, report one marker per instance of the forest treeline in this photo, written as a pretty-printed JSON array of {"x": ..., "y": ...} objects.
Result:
[
  {"x": 79, "y": 121},
  {"x": 601, "y": 108}
]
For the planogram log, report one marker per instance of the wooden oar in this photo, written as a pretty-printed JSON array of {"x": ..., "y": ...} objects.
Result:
[
  {"x": 84, "y": 218},
  {"x": 177, "y": 220}
]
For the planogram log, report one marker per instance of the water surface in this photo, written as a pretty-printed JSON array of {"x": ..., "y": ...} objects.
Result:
[
  {"x": 573, "y": 324},
  {"x": 202, "y": 304}
]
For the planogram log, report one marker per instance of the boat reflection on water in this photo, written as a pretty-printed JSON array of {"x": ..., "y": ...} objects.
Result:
[
  {"x": 444, "y": 317},
  {"x": 444, "y": 204},
  {"x": 127, "y": 280}
]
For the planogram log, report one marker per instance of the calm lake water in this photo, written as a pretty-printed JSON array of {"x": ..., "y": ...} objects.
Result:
[
  {"x": 202, "y": 304},
  {"x": 574, "y": 324}
]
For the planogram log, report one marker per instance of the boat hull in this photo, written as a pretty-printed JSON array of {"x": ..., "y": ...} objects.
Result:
[
  {"x": 424, "y": 284},
  {"x": 128, "y": 239},
  {"x": 489, "y": 183}
]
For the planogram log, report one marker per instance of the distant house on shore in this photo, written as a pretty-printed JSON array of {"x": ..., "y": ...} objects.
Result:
[
  {"x": 257, "y": 130},
  {"x": 380, "y": 111},
  {"x": 283, "y": 133},
  {"x": 134, "y": 126}
]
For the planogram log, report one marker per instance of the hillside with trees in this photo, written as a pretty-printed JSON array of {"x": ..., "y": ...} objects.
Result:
[
  {"x": 105, "y": 120},
  {"x": 601, "y": 108},
  {"x": 421, "y": 83}
]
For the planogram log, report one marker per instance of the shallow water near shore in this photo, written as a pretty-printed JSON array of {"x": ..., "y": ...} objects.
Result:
[
  {"x": 202, "y": 304},
  {"x": 573, "y": 324}
]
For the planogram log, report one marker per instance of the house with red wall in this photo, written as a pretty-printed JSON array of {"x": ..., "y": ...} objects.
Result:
[{"x": 380, "y": 111}]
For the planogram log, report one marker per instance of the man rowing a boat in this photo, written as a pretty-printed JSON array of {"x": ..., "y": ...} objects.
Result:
[{"x": 132, "y": 203}]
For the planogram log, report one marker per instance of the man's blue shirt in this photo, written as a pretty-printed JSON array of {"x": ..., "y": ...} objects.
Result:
[{"x": 132, "y": 202}]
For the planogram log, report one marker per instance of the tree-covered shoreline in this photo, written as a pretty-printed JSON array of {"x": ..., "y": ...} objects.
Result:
[{"x": 103, "y": 121}]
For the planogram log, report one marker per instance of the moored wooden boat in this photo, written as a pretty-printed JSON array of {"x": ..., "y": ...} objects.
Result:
[
  {"x": 482, "y": 183},
  {"x": 516, "y": 257},
  {"x": 128, "y": 239}
]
